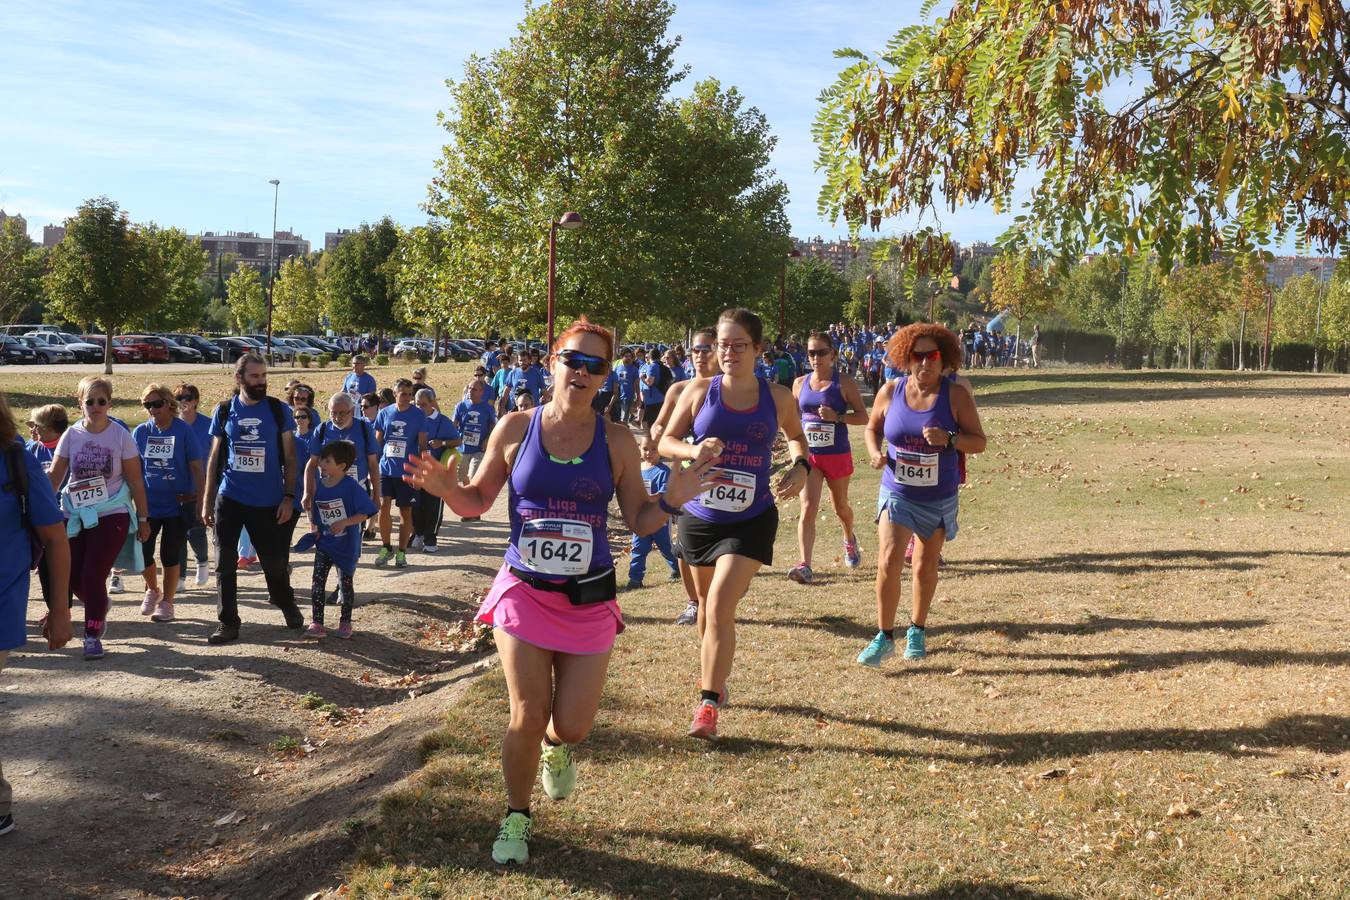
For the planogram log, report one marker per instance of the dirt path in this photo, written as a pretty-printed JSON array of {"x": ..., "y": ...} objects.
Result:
[{"x": 173, "y": 768}]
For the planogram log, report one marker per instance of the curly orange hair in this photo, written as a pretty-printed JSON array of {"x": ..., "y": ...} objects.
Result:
[
  {"x": 584, "y": 326},
  {"x": 903, "y": 341}
]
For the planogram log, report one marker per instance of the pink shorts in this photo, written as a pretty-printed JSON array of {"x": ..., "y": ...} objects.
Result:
[
  {"x": 832, "y": 465},
  {"x": 546, "y": 619}
]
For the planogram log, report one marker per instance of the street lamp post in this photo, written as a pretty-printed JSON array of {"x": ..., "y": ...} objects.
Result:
[
  {"x": 271, "y": 264},
  {"x": 782, "y": 293},
  {"x": 571, "y": 221},
  {"x": 871, "y": 297}
]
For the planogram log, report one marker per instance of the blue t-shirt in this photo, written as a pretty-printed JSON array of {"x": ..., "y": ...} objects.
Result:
[
  {"x": 201, "y": 427},
  {"x": 165, "y": 462},
  {"x": 611, "y": 383},
  {"x": 331, "y": 504},
  {"x": 44, "y": 456},
  {"x": 17, "y": 559},
  {"x": 651, "y": 394},
  {"x": 475, "y": 421},
  {"x": 440, "y": 427},
  {"x": 627, "y": 374},
  {"x": 655, "y": 478},
  {"x": 531, "y": 378},
  {"x": 492, "y": 361},
  {"x": 680, "y": 372},
  {"x": 357, "y": 385},
  {"x": 400, "y": 429},
  {"x": 498, "y": 383},
  {"x": 362, "y": 435},
  {"x": 253, "y": 471}
]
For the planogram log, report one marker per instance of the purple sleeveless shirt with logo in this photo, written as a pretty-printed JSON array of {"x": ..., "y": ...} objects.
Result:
[
  {"x": 917, "y": 470},
  {"x": 559, "y": 510},
  {"x": 823, "y": 438},
  {"x": 742, "y": 490}
]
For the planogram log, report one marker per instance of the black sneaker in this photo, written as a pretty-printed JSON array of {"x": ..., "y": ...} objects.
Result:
[
  {"x": 223, "y": 634},
  {"x": 6, "y": 824}
]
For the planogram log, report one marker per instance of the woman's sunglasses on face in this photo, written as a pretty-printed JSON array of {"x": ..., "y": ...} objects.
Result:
[
  {"x": 818, "y": 352},
  {"x": 96, "y": 401},
  {"x": 153, "y": 404},
  {"x": 184, "y": 398},
  {"x": 575, "y": 359},
  {"x": 922, "y": 356}
]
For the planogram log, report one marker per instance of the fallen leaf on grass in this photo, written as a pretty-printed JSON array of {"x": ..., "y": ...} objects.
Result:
[
  {"x": 992, "y": 692},
  {"x": 1181, "y": 810},
  {"x": 155, "y": 796},
  {"x": 959, "y": 670},
  {"x": 234, "y": 817},
  {"x": 1054, "y": 773}
]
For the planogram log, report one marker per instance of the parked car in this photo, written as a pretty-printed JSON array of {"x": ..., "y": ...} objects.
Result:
[
  {"x": 323, "y": 344},
  {"x": 14, "y": 351},
  {"x": 412, "y": 347},
  {"x": 83, "y": 351},
  {"x": 280, "y": 350},
  {"x": 45, "y": 352},
  {"x": 209, "y": 351},
  {"x": 180, "y": 354},
  {"x": 120, "y": 353},
  {"x": 233, "y": 347},
  {"x": 152, "y": 349},
  {"x": 460, "y": 351}
]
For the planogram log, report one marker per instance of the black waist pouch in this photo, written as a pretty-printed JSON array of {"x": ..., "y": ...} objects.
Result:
[{"x": 597, "y": 587}]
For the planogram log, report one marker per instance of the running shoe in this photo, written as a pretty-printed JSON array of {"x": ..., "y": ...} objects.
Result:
[
  {"x": 247, "y": 564},
  {"x": 874, "y": 654},
  {"x": 400, "y": 560},
  {"x": 416, "y": 543},
  {"x": 705, "y": 721},
  {"x": 513, "y": 840},
  {"x": 633, "y": 585},
  {"x": 852, "y": 555},
  {"x": 315, "y": 630},
  {"x": 203, "y": 574},
  {"x": 344, "y": 631},
  {"x": 560, "y": 771},
  {"x": 801, "y": 573},
  {"x": 148, "y": 604},
  {"x": 93, "y": 648},
  {"x": 115, "y": 584},
  {"x": 163, "y": 612},
  {"x": 471, "y": 518},
  {"x": 429, "y": 548},
  {"x": 689, "y": 616},
  {"x": 6, "y": 824},
  {"x": 915, "y": 647},
  {"x": 384, "y": 556}
]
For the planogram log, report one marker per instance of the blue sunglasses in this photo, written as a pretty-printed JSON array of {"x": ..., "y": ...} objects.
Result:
[{"x": 575, "y": 359}]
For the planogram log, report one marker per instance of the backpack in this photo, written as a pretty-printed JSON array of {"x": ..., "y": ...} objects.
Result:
[
  {"x": 222, "y": 417},
  {"x": 18, "y": 482},
  {"x": 663, "y": 380},
  {"x": 364, "y": 429}
]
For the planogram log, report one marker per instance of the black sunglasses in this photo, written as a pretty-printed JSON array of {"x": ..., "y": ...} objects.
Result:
[
  {"x": 96, "y": 401},
  {"x": 184, "y": 398},
  {"x": 575, "y": 359},
  {"x": 153, "y": 404},
  {"x": 819, "y": 352}
]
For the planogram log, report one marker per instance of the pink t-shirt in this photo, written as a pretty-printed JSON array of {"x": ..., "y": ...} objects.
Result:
[{"x": 97, "y": 455}]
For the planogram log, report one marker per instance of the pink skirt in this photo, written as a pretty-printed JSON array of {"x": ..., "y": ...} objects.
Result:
[{"x": 547, "y": 620}]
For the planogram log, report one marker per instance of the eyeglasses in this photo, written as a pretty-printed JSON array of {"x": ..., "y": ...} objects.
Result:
[
  {"x": 815, "y": 353},
  {"x": 733, "y": 346},
  {"x": 701, "y": 348},
  {"x": 96, "y": 401},
  {"x": 184, "y": 398},
  {"x": 575, "y": 359},
  {"x": 153, "y": 404},
  {"x": 920, "y": 356},
  {"x": 368, "y": 405}
]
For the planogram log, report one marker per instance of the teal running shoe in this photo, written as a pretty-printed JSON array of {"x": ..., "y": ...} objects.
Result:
[
  {"x": 874, "y": 654},
  {"x": 513, "y": 840},
  {"x": 914, "y": 643},
  {"x": 560, "y": 771}
]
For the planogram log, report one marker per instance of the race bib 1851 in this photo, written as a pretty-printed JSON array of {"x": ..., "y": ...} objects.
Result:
[
  {"x": 556, "y": 546},
  {"x": 733, "y": 492},
  {"x": 249, "y": 459}
]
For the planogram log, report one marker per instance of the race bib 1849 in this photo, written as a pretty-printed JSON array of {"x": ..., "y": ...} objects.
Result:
[
  {"x": 556, "y": 546},
  {"x": 916, "y": 469},
  {"x": 331, "y": 511},
  {"x": 819, "y": 434},
  {"x": 87, "y": 491},
  {"x": 249, "y": 459},
  {"x": 733, "y": 492}
]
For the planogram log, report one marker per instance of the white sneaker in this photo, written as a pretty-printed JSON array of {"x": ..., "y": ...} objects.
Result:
[
  {"x": 416, "y": 543},
  {"x": 115, "y": 585},
  {"x": 152, "y": 597},
  {"x": 203, "y": 574}
]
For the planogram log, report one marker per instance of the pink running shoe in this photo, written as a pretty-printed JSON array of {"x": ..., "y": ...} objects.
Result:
[
  {"x": 152, "y": 597},
  {"x": 344, "y": 630},
  {"x": 705, "y": 722},
  {"x": 909, "y": 554},
  {"x": 163, "y": 612},
  {"x": 315, "y": 630}
]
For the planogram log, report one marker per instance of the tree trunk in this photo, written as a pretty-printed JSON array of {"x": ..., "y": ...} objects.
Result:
[
  {"x": 107, "y": 351},
  {"x": 1242, "y": 340},
  {"x": 1190, "y": 349}
]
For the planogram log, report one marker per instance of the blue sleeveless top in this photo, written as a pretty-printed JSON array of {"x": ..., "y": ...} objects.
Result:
[
  {"x": 742, "y": 490},
  {"x": 915, "y": 469},
  {"x": 559, "y": 509},
  {"x": 823, "y": 438}
]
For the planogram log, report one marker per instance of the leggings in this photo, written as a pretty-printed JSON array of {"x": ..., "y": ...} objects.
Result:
[
  {"x": 92, "y": 554},
  {"x": 197, "y": 539},
  {"x": 322, "y": 563}
]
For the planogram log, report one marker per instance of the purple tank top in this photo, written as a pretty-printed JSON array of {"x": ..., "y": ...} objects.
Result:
[
  {"x": 742, "y": 490},
  {"x": 559, "y": 509},
  {"x": 823, "y": 438},
  {"x": 917, "y": 470}
]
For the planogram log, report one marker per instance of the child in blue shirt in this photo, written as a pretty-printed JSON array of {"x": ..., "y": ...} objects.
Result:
[
  {"x": 654, "y": 475},
  {"x": 340, "y": 506}
]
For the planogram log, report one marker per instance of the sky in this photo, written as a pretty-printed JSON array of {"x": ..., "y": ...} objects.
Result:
[{"x": 183, "y": 112}]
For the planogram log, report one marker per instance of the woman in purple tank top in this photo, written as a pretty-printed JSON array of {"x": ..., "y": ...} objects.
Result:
[
  {"x": 829, "y": 402},
  {"x": 728, "y": 531},
  {"x": 919, "y": 426},
  {"x": 552, "y": 604}
]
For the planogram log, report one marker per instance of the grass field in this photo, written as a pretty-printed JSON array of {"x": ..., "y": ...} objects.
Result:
[{"x": 1137, "y": 686}]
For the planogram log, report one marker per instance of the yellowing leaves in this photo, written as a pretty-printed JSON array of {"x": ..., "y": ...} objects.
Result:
[
  {"x": 1094, "y": 83},
  {"x": 1228, "y": 99},
  {"x": 1315, "y": 20}
]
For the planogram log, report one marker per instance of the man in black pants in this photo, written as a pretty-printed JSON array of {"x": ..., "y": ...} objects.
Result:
[{"x": 253, "y": 467}]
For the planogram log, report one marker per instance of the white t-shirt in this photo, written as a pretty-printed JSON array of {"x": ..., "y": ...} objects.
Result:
[{"x": 96, "y": 456}]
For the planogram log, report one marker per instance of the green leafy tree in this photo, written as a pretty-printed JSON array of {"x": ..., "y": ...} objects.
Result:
[
  {"x": 1176, "y": 127},
  {"x": 360, "y": 280},
  {"x": 1193, "y": 299},
  {"x": 98, "y": 273},
  {"x": 1336, "y": 311},
  {"x": 21, "y": 269},
  {"x": 173, "y": 265},
  {"x": 298, "y": 302},
  {"x": 1247, "y": 304},
  {"x": 244, "y": 293},
  {"x": 1022, "y": 286},
  {"x": 815, "y": 297},
  {"x": 1295, "y": 311},
  {"x": 883, "y": 300}
]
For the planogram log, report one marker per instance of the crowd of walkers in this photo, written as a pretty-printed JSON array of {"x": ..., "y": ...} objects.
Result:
[{"x": 681, "y": 444}]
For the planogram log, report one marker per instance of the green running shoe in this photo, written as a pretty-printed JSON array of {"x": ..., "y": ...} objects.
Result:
[
  {"x": 915, "y": 647},
  {"x": 400, "y": 560},
  {"x": 513, "y": 840},
  {"x": 874, "y": 654},
  {"x": 384, "y": 556},
  {"x": 560, "y": 771}
]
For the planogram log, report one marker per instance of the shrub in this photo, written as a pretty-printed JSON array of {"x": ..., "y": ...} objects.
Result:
[
  {"x": 424, "y": 358},
  {"x": 304, "y": 360},
  {"x": 323, "y": 360},
  {"x": 382, "y": 359},
  {"x": 345, "y": 360}
]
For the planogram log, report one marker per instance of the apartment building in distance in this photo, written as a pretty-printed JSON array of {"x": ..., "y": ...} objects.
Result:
[
  {"x": 53, "y": 235},
  {"x": 838, "y": 253},
  {"x": 331, "y": 239},
  {"x": 252, "y": 249},
  {"x": 5, "y": 217},
  {"x": 1283, "y": 268}
]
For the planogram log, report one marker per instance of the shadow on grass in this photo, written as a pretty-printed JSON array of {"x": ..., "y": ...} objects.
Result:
[
  {"x": 1070, "y": 387},
  {"x": 1130, "y": 562},
  {"x": 1126, "y": 663}
]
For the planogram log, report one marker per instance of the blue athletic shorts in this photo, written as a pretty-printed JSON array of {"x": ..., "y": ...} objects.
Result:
[{"x": 922, "y": 518}]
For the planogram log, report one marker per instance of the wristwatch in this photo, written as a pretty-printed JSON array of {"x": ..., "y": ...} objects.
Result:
[
  {"x": 951, "y": 439},
  {"x": 666, "y": 507},
  {"x": 803, "y": 461}
]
